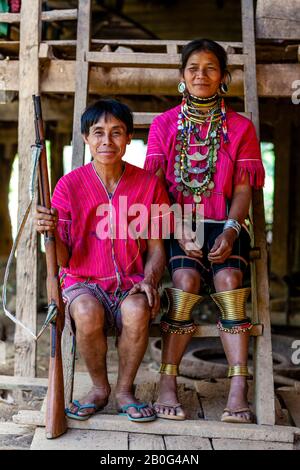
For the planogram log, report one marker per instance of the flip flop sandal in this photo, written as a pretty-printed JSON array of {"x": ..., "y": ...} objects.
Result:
[
  {"x": 237, "y": 419},
  {"x": 75, "y": 415},
  {"x": 122, "y": 411},
  {"x": 174, "y": 407}
]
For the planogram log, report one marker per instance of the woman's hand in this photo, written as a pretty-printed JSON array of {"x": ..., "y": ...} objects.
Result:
[
  {"x": 45, "y": 219},
  {"x": 190, "y": 248},
  {"x": 151, "y": 293},
  {"x": 222, "y": 247}
]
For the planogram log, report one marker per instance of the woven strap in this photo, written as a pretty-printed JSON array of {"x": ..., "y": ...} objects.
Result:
[{"x": 36, "y": 152}]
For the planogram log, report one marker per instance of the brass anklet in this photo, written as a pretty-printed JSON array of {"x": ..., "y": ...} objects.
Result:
[
  {"x": 168, "y": 369},
  {"x": 238, "y": 370}
]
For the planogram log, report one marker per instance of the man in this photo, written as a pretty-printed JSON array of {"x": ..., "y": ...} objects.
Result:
[{"x": 109, "y": 274}]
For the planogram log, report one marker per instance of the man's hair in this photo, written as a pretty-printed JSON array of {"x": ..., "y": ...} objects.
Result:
[{"x": 105, "y": 107}]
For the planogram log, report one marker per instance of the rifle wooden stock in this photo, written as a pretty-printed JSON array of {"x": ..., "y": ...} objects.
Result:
[{"x": 56, "y": 423}]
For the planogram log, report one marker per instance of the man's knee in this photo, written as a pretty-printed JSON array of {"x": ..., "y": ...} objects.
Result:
[
  {"x": 88, "y": 315},
  {"x": 135, "y": 312},
  {"x": 187, "y": 280}
]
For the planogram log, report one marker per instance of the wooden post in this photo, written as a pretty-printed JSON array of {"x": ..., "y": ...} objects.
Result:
[
  {"x": 7, "y": 155},
  {"x": 280, "y": 242},
  {"x": 294, "y": 208},
  {"x": 82, "y": 79},
  {"x": 262, "y": 356},
  {"x": 26, "y": 307},
  {"x": 57, "y": 142}
]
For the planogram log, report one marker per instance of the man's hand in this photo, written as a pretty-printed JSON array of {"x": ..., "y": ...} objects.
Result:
[
  {"x": 222, "y": 247},
  {"x": 45, "y": 219},
  {"x": 151, "y": 293}
]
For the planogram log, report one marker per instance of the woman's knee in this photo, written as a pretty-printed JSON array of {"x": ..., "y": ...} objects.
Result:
[
  {"x": 135, "y": 312},
  {"x": 187, "y": 280},
  {"x": 228, "y": 279},
  {"x": 88, "y": 315}
]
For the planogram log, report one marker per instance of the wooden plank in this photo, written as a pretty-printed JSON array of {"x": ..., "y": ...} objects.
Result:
[
  {"x": 171, "y": 45},
  {"x": 263, "y": 365},
  {"x": 82, "y": 79},
  {"x": 58, "y": 76},
  {"x": 187, "y": 443},
  {"x": 238, "y": 444},
  {"x": 148, "y": 392},
  {"x": 81, "y": 440},
  {"x": 12, "y": 428},
  {"x": 199, "y": 428},
  {"x": 59, "y": 15},
  {"x": 68, "y": 355},
  {"x": 8, "y": 382},
  {"x": 292, "y": 402},
  {"x": 277, "y": 19},
  {"x": 160, "y": 42},
  {"x": 213, "y": 396},
  {"x": 145, "y": 442},
  {"x": 10, "y": 18},
  {"x": 281, "y": 240},
  {"x": 26, "y": 302},
  {"x": 147, "y": 60},
  {"x": 270, "y": 28},
  {"x": 47, "y": 16}
]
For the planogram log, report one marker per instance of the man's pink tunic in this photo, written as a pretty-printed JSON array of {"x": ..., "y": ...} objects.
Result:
[{"x": 114, "y": 261}]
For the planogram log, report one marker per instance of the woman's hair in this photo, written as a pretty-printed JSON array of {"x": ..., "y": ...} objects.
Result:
[
  {"x": 105, "y": 107},
  {"x": 198, "y": 45}
]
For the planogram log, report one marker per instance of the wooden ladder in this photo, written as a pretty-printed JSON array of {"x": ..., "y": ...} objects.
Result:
[{"x": 263, "y": 366}]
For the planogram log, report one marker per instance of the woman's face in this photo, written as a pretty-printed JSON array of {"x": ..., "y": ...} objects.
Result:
[{"x": 202, "y": 74}]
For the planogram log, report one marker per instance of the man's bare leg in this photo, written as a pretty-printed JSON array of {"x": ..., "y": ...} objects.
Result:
[
  {"x": 88, "y": 315},
  {"x": 174, "y": 346},
  {"x": 235, "y": 345},
  {"x": 132, "y": 345}
]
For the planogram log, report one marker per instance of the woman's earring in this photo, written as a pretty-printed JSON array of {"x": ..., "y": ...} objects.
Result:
[
  {"x": 223, "y": 87},
  {"x": 181, "y": 87}
]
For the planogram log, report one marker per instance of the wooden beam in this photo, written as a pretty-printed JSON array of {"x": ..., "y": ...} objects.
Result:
[
  {"x": 281, "y": 217},
  {"x": 263, "y": 365},
  {"x": 47, "y": 16},
  {"x": 81, "y": 79},
  {"x": 8, "y": 382},
  {"x": 277, "y": 19},
  {"x": 10, "y": 18},
  {"x": 200, "y": 428},
  {"x": 147, "y": 60},
  {"x": 26, "y": 303},
  {"x": 58, "y": 76},
  {"x": 59, "y": 15}
]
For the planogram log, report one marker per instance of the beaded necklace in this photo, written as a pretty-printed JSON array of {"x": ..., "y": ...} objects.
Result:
[{"x": 190, "y": 121}]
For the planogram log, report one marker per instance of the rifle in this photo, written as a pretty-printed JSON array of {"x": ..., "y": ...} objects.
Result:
[{"x": 56, "y": 423}]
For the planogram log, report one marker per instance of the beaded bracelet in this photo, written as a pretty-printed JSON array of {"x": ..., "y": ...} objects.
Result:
[{"x": 232, "y": 223}]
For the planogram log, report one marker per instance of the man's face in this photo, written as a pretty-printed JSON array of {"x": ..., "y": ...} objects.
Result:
[{"x": 107, "y": 140}]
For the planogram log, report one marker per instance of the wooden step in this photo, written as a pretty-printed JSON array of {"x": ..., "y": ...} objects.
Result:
[{"x": 199, "y": 428}]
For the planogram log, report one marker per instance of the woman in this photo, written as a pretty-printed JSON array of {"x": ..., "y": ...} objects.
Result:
[{"x": 208, "y": 154}]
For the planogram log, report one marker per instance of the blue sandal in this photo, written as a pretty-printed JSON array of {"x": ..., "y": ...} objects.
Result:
[
  {"x": 123, "y": 412},
  {"x": 75, "y": 415}
]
